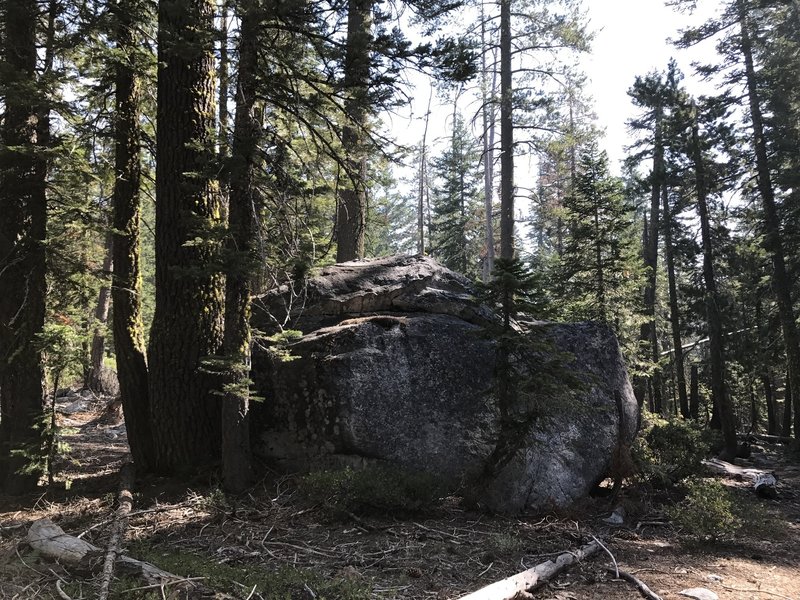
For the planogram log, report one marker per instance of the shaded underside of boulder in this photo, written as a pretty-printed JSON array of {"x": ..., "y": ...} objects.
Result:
[{"x": 397, "y": 363}]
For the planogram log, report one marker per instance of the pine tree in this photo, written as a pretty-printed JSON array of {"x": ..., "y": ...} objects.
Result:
[
  {"x": 456, "y": 233},
  {"x": 600, "y": 255}
]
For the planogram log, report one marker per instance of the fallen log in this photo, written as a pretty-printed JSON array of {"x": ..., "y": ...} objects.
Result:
[
  {"x": 49, "y": 540},
  {"x": 521, "y": 584},
  {"x": 763, "y": 482},
  {"x": 118, "y": 527},
  {"x": 762, "y": 437}
]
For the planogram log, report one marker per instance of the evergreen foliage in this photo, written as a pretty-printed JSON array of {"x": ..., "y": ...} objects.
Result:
[{"x": 457, "y": 203}]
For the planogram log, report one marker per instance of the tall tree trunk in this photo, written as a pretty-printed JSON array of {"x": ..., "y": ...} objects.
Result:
[
  {"x": 236, "y": 459},
  {"x": 786, "y": 425},
  {"x": 423, "y": 176},
  {"x": 506, "y": 136},
  {"x": 224, "y": 82},
  {"x": 648, "y": 333},
  {"x": 674, "y": 311},
  {"x": 188, "y": 321},
  {"x": 488, "y": 115},
  {"x": 23, "y": 206},
  {"x": 769, "y": 398},
  {"x": 126, "y": 289},
  {"x": 600, "y": 272},
  {"x": 98, "y": 349},
  {"x": 351, "y": 212},
  {"x": 694, "y": 393},
  {"x": 722, "y": 401},
  {"x": 773, "y": 242}
]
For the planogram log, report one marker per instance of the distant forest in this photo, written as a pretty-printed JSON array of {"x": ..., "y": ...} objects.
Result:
[{"x": 163, "y": 163}]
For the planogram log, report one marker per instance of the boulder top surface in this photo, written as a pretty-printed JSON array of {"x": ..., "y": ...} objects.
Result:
[{"x": 395, "y": 284}]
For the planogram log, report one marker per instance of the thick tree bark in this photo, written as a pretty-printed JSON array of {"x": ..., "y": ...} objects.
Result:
[
  {"x": 243, "y": 207},
  {"x": 506, "y": 136},
  {"x": 188, "y": 321},
  {"x": 674, "y": 311},
  {"x": 98, "y": 348},
  {"x": 722, "y": 400},
  {"x": 351, "y": 210},
  {"x": 23, "y": 206},
  {"x": 126, "y": 289},
  {"x": 773, "y": 242}
]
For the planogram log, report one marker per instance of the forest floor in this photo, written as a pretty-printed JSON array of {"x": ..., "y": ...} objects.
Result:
[{"x": 268, "y": 543}]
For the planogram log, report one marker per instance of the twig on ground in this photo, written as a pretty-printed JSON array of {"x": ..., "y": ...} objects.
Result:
[
  {"x": 136, "y": 514},
  {"x": 755, "y": 591},
  {"x": 643, "y": 589},
  {"x": 61, "y": 592},
  {"x": 614, "y": 560},
  {"x": 162, "y": 585}
]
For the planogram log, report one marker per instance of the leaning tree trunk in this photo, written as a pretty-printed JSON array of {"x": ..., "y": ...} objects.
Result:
[
  {"x": 23, "y": 206},
  {"x": 351, "y": 210},
  {"x": 722, "y": 400},
  {"x": 187, "y": 324},
  {"x": 772, "y": 239},
  {"x": 126, "y": 289},
  {"x": 674, "y": 311}
]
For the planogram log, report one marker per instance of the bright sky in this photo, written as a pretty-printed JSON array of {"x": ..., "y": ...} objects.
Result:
[{"x": 631, "y": 40}]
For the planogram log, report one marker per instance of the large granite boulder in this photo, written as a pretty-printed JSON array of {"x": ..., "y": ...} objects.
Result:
[{"x": 396, "y": 364}]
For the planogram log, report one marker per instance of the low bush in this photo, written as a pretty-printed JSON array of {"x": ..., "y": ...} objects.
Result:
[
  {"x": 708, "y": 511},
  {"x": 670, "y": 451},
  {"x": 378, "y": 488}
]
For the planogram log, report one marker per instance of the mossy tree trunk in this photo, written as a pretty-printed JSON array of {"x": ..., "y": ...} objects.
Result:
[
  {"x": 188, "y": 320},
  {"x": 23, "y": 206},
  {"x": 242, "y": 256},
  {"x": 126, "y": 290}
]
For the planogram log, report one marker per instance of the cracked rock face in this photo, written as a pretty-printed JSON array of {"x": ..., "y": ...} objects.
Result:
[{"x": 395, "y": 365}]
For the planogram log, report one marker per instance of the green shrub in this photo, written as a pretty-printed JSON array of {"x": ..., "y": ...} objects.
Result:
[
  {"x": 707, "y": 511},
  {"x": 378, "y": 488},
  {"x": 670, "y": 451}
]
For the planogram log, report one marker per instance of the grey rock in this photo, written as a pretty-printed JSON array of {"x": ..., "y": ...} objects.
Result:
[{"x": 395, "y": 365}]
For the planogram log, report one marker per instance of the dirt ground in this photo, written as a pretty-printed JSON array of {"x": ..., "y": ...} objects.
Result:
[{"x": 269, "y": 532}]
